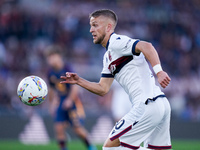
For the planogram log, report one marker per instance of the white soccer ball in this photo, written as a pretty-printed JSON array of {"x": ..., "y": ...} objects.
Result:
[{"x": 32, "y": 90}]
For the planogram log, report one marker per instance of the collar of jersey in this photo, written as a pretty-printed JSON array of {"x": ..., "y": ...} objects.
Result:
[{"x": 108, "y": 41}]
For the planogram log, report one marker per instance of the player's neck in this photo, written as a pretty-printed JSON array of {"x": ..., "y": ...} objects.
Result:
[
  {"x": 59, "y": 66},
  {"x": 106, "y": 39}
]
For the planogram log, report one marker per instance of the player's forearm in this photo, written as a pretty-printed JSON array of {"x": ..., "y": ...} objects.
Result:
[
  {"x": 74, "y": 93},
  {"x": 93, "y": 87}
]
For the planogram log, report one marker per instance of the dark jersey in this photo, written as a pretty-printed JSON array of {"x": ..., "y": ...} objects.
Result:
[{"x": 62, "y": 90}]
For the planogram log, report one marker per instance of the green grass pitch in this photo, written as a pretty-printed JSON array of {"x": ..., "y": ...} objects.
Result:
[{"x": 77, "y": 145}]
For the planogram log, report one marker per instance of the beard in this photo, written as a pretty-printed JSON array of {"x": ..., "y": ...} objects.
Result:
[{"x": 100, "y": 39}]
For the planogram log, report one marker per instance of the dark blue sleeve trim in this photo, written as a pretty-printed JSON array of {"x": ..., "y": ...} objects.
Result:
[
  {"x": 133, "y": 48},
  {"x": 107, "y": 75}
]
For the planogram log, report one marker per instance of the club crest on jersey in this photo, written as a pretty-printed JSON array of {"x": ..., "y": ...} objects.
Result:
[
  {"x": 112, "y": 68},
  {"x": 109, "y": 56}
]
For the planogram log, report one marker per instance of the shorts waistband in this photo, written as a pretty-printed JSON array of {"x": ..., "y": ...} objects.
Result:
[{"x": 153, "y": 99}]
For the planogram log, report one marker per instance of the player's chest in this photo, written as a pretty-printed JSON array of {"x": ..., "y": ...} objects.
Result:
[
  {"x": 112, "y": 56},
  {"x": 115, "y": 61}
]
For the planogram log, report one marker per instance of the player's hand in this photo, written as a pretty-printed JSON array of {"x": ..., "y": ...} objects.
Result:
[
  {"x": 71, "y": 78},
  {"x": 163, "y": 79},
  {"x": 68, "y": 103}
]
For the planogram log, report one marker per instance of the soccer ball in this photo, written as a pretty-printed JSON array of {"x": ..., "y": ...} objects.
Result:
[{"x": 32, "y": 90}]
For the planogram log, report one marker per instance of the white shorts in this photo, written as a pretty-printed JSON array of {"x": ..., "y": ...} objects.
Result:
[{"x": 147, "y": 123}]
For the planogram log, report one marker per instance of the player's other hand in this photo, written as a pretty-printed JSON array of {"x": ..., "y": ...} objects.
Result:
[
  {"x": 68, "y": 103},
  {"x": 163, "y": 79},
  {"x": 71, "y": 78}
]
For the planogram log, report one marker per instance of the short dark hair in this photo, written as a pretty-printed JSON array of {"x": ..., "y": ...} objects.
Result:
[
  {"x": 104, "y": 12},
  {"x": 53, "y": 49}
]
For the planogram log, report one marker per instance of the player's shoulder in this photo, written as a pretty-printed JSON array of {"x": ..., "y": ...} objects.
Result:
[
  {"x": 118, "y": 41},
  {"x": 118, "y": 38}
]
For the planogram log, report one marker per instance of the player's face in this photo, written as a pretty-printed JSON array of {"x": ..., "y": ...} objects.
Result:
[
  {"x": 55, "y": 61},
  {"x": 98, "y": 29}
]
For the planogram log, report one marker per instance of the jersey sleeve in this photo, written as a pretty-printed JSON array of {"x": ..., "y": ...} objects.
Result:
[
  {"x": 106, "y": 72},
  {"x": 124, "y": 45}
]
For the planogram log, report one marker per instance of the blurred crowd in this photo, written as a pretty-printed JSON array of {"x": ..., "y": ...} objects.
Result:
[{"x": 27, "y": 27}]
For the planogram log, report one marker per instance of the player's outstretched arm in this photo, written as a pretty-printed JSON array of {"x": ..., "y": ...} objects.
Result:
[
  {"x": 152, "y": 56},
  {"x": 100, "y": 88}
]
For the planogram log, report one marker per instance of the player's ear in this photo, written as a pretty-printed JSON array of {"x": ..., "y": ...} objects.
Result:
[{"x": 109, "y": 27}]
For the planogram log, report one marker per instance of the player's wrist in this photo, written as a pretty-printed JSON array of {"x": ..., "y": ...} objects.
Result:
[
  {"x": 157, "y": 68},
  {"x": 79, "y": 81}
]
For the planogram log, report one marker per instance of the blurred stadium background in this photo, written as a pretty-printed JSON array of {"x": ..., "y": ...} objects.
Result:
[{"x": 28, "y": 26}]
